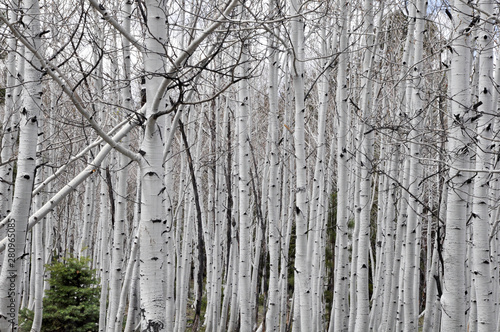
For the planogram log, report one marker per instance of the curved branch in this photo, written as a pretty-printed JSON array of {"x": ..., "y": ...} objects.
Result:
[
  {"x": 105, "y": 15},
  {"x": 60, "y": 78},
  {"x": 187, "y": 53}
]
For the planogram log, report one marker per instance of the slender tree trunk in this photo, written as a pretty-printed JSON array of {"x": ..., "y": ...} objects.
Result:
[
  {"x": 17, "y": 226},
  {"x": 390, "y": 238},
  {"x": 481, "y": 272},
  {"x": 38, "y": 259},
  {"x": 245, "y": 212},
  {"x": 118, "y": 228},
  {"x": 415, "y": 107},
  {"x": 84, "y": 245},
  {"x": 105, "y": 244},
  {"x": 273, "y": 309},
  {"x": 302, "y": 283},
  {"x": 362, "y": 266},
  {"x": 340, "y": 302},
  {"x": 454, "y": 247},
  {"x": 9, "y": 125}
]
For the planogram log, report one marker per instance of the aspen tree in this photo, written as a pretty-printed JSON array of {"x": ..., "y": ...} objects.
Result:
[
  {"x": 216, "y": 203},
  {"x": 38, "y": 259},
  {"x": 120, "y": 190},
  {"x": 288, "y": 181},
  {"x": 382, "y": 232},
  {"x": 133, "y": 301},
  {"x": 273, "y": 309},
  {"x": 390, "y": 238},
  {"x": 454, "y": 246},
  {"x": 185, "y": 261},
  {"x": 244, "y": 210},
  {"x": 431, "y": 293},
  {"x": 235, "y": 308},
  {"x": 339, "y": 307},
  {"x": 17, "y": 226},
  {"x": 9, "y": 131},
  {"x": 104, "y": 241},
  {"x": 362, "y": 265},
  {"x": 317, "y": 215},
  {"x": 84, "y": 247},
  {"x": 118, "y": 242},
  {"x": 355, "y": 234},
  {"x": 230, "y": 231},
  {"x": 414, "y": 105},
  {"x": 302, "y": 281},
  {"x": 152, "y": 221},
  {"x": 481, "y": 272},
  {"x": 494, "y": 214},
  {"x": 122, "y": 193}
]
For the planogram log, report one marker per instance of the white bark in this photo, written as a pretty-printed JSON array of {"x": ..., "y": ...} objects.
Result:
[
  {"x": 235, "y": 308},
  {"x": 84, "y": 246},
  {"x": 317, "y": 214},
  {"x": 244, "y": 209},
  {"x": 273, "y": 309},
  {"x": 390, "y": 237},
  {"x": 38, "y": 258},
  {"x": 454, "y": 247},
  {"x": 104, "y": 244},
  {"x": 340, "y": 307},
  {"x": 18, "y": 224},
  {"x": 302, "y": 284},
  {"x": 118, "y": 231},
  {"x": 362, "y": 265},
  {"x": 133, "y": 289},
  {"x": 481, "y": 272},
  {"x": 415, "y": 107},
  {"x": 393, "y": 312},
  {"x": 355, "y": 236},
  {"x": 152, "y": 212},
  {"x": 9, "y": 136},
  {"x": 431, "y": 292},
  {"x": 287, "y": 213}
]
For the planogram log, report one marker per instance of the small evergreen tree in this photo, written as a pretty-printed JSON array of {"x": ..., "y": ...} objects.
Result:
[{"x": 72, "y": 302}]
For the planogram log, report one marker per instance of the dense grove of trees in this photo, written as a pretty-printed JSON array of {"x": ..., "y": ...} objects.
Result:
[{"x": 232, "y": 165}]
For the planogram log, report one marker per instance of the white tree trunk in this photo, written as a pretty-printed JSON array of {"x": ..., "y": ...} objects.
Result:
[
  {"x": 152, "y": 211},
  {"x": 454, "y": 247},
  {"x": 390, "y": 238},
  {"x": 38, "y": 259},
  {"x": 362, "y": 264},
  {"x": 415, "y": 107},
  {"x": 481, "y": 271},
  {"x": 273, "y": 305},
  {"x": 340, "y": 301},
  {"x": 18, "y": 223},
  {"x": 244, "y": 209},
  {"x": 104, "y": 240},
  {"x": 118, "y": 243},
  {"x": 302, "y": 284},
  {"x": 9, "y": 131}
]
